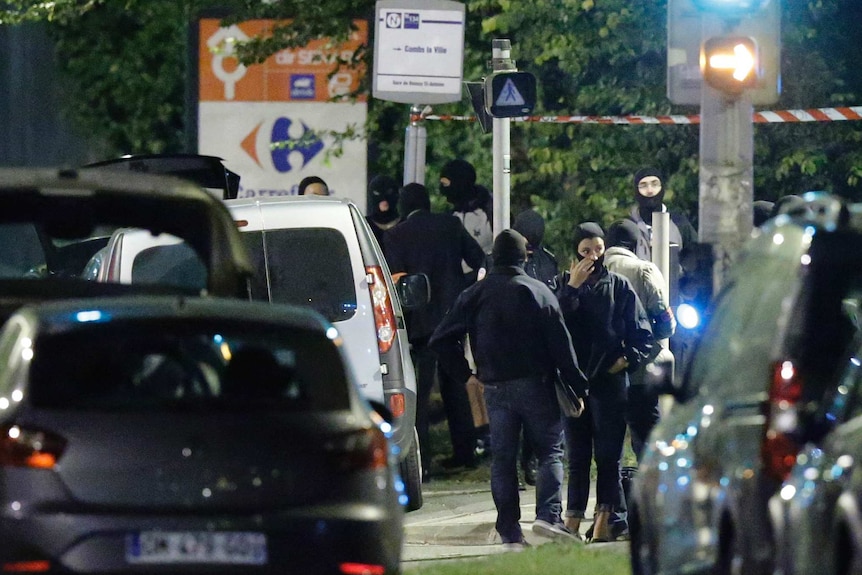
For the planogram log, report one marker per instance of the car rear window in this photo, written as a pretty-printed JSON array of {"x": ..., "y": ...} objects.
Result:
[
  {"x": 303, "y": 266},
  {"x": 173, "y": 365},
  {"x": 176, "y": 265}
]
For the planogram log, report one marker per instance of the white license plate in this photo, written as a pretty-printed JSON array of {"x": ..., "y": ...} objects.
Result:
[{"x": 231, "y": 547}]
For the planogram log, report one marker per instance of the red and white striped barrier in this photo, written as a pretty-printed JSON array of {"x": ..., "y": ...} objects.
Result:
[{"x": 781, "y": 116}]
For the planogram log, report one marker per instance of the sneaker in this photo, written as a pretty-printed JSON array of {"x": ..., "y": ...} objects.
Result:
[
  {"x": 555, "y": 531},
  {"x": 516, "y": 546}
]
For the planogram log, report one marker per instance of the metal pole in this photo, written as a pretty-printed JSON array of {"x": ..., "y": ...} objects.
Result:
[
  {"x": 726, "y": 174},
  {"x": 661, "y": 246},
  {"x": 502, "y": 162},
  {"x": 415, "y": 138}
]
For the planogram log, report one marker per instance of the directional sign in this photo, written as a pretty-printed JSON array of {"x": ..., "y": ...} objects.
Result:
[
  {"x": 510, "y": 94},
  {"x": 418, "y": 51}
]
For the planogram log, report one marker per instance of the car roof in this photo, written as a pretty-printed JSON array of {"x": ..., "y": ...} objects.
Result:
[
  {"x": 64, "y": 314},
  {"x": 203, "y": 170},
  {"x": 66, "y": 202}
]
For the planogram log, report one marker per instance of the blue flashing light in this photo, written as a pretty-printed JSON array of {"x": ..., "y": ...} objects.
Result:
[
  {"x": 687, "y": 316},
  {"x": 91, "y": 315}
]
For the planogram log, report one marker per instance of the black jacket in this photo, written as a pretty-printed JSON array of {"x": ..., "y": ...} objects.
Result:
[
  {"x": 434, "y": 245},
  {"x": 516, "y": 331},
  {"x": 606, "y": 321}
]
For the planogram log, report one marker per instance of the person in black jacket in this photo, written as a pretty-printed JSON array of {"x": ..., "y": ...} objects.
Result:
[
  {"x": 611, "y": 335},
  {"x": 434, "y": 244},
  {"x": 382, "y": 210},
  {"x": 542, "y": 265},
  {"x": 519, "y": 341}
]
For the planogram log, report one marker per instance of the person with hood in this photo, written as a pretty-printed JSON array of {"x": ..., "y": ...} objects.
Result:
[
  {"x": 471, "y": 203},
  {"x": 382, "y": 210},
  {"x": 542, "y": 265},
  {"x": 646, "y": 278},
  {"x": 519, "y": 343},
  {"x": 435, "y": 245},
  {"x": 649, "y": 198},
  {"x": 612, "y": 337}
]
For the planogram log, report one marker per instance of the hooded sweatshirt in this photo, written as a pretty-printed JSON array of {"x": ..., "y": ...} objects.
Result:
[{"x": 541, "y": 263}]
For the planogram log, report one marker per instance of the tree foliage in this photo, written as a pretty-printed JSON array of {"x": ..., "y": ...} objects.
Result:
[{"x": 126, "y": 62}]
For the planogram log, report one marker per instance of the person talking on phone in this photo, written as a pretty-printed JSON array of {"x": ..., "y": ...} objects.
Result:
[{"x": 612, "y": 337}]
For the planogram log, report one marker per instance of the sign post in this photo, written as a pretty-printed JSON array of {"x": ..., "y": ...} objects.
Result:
[{"x": 418, "y": 59}]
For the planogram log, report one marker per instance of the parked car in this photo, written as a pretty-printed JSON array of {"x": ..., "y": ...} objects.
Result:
[
  {"x": 53, "y": 221},
  {"x": 176, "y": 434},
  {"x": 816, "y": 513},
  {"x": 319, "y": 252},
  {"x": 767, "y": 357}
]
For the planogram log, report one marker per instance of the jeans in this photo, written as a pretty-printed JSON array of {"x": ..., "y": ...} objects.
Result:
[
  {"x": 602, "y": 427},
  {"x": 642, "y": 414},
  {"x": 530, "y": 403}
]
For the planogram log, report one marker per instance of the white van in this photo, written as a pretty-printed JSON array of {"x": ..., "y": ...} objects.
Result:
[{"x": 315, "y": 251}]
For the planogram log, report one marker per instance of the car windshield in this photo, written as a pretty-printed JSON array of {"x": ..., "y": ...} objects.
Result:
[{"x": 182, "y": 365}]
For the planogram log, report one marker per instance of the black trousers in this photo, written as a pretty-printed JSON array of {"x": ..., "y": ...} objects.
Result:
[{"x": 456, "y": 405}]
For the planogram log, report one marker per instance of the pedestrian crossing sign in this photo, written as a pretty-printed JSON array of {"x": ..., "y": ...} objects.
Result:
[{"x": 510, "y": 94}]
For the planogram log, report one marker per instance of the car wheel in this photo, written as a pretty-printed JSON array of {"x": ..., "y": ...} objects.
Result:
[{"x": 411, "y": 474}]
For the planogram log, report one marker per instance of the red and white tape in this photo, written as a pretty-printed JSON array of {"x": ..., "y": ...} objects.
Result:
[{"x": 850, "y": 113}]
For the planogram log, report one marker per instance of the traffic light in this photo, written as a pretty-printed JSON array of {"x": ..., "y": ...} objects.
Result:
[
  {"x": 510, "y": 94},
  {"x": 731, "y": 63},
  {"x": 731, "y": 8}
]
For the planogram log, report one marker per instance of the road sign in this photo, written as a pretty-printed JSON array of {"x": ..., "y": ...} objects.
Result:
[
  {"x": 510, "y": 94},
  {"x": 418, "y": 51}
]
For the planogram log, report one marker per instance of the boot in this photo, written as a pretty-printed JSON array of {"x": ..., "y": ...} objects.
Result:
[
  {"x": 574, "y": 525},
  {"x": 601, "y": 527}
]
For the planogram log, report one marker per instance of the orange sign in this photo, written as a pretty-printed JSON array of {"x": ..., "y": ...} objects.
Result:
[{"x": 290, "y": 75}]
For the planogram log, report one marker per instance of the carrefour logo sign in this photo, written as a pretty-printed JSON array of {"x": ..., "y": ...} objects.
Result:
[{"x": 291, "y": 144}]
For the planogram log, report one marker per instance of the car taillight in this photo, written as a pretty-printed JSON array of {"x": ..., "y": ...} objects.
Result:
[
  {"x": 362, "y": 569},
  {"x": 39, "y": 566},
  {"x": 779, "y": 448},
  {"x": 21, "y": 447},
  {"x": 364, "y": 449},
  {"x": 384, "y": 314}
]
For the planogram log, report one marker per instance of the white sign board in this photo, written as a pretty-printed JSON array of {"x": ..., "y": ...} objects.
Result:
[{"x": 418, "y": 51}]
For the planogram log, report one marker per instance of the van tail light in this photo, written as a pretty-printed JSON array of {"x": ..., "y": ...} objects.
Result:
[
  {"x": 384, "y": 314},
  {"x": 397, "y": 404},
  {"x": 22, "y": 447},
  {"x": 366, "y": 449},
  {"x": 779, "y": 448}
]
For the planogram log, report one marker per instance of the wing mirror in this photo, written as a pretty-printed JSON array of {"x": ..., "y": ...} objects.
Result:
[{"x": 414, "y": 291}]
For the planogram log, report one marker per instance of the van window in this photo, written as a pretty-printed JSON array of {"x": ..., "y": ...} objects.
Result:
[{"x": 303, "y": 266}]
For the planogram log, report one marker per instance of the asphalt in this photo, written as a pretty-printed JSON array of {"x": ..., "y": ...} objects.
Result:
[{"x": 457, "y": 521}]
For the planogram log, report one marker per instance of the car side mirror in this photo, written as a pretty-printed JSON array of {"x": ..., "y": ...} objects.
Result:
[{"x": 414, "y": 291}]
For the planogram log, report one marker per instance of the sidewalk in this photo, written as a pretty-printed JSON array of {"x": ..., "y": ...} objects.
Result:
[{"x": 457, "y": 521}]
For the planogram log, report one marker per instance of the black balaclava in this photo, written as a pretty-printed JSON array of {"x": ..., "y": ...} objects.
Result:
[
  {"x": 461, "y": 190},
  {"x": 382, "y": 188},
  {"x": 586, "y": 231},
  {"x": 413, "y": 197},
  {"x": 623, "y": 233},
  {"x": 646, "y": 206},
  {"x": 531, "y": 225},
  {"x": 510, "y": 249}
]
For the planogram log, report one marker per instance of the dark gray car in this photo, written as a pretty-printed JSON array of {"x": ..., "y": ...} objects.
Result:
[
  {"x": 769, "y": 354},
  {"x": 189, "y": 435}
]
